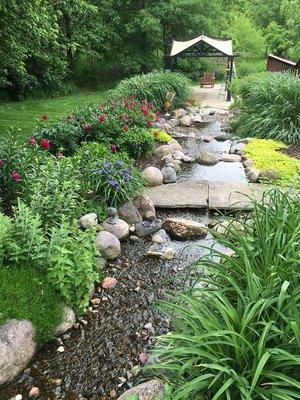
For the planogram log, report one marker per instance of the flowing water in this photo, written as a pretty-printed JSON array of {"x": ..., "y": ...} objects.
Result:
[{"x": 101, "y": 357}]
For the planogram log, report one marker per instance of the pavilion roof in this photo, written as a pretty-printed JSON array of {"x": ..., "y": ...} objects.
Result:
[{"x": 224, "y": 46}]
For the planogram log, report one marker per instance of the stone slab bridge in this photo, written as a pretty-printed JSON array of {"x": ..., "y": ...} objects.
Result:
[{"x": 206, "y": 195}]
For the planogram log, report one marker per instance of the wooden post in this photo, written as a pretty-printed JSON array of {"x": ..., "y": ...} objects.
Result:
[{"x": 230, "y": 65}]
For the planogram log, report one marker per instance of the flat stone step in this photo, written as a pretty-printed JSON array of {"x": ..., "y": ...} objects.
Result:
[
  {"x": 204, "y": 194},
  {"x": 187, "y": 194}
]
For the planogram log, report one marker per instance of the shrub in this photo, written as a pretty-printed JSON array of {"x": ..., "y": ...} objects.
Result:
[
  {"x": 270, "y": 104},
  {"x": 155, "y": 87},
  {"x": 55, "y": 192},
  {"x": 238, "y": 336},
  {"x": 72, "y": 264},
  {"x": 266, "y": 154},
  {"x": 26, "y": 294},
  {"x": 5, "y": 229},
  {"x": 161, "y": 136},
  {"x": 16, "y": 162},
  {"x": 136, "y": 142}
]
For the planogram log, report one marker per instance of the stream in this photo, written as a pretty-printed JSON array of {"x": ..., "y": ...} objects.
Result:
[{"x": 101, "y": 357}]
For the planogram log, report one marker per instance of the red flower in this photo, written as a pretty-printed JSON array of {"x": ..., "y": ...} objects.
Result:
[
  {"x": 150, "y": 124},
  {"x": 114, "y": 148},
  {"x": 125, "y": 128},
  {"x": 1, "y": 163},
  {"x": 144, "y": 111},
  {"x": 45, "y": 117},
  {"x": 87, "y": 127},
  {"x": 32, "y": 141},
  {"x": 16, "y": 176},
  {"x": 101, "y": 119},
  {"x": 45, "y": 144}
]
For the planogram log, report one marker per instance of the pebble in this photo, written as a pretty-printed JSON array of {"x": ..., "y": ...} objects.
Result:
[
  {"x": 109, "y": 283},
  {"x": 17, "y": 397},
  {"x": 60, "y": 349},
  {"x": 35, "y": 391},
  {"x": 96, "y": 301},
  {"x": 158, "y": 239},
  {"x": 144, "y": 358}
]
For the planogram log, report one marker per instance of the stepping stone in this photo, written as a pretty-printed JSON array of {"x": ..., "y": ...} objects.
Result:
[
  {"x": 187, "y": 194},
  {"x": 233, "y": 196}
]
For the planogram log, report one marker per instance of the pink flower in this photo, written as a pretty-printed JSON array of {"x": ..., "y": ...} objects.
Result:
[
  {"x": 114, "y": 148},
  {"x": 150, "y": 124},
  {"x": 87, "y": 127},
  {"x": 144, "y": 111},
  {"x": 45, "y": 144},
  {"x": 16, "y": 176},
  {"x": 101, "y": 119},
  {"x": 45, "y": 117},
  {"x": 32, "y": 141},
  {"x": 125, "y": 128}
]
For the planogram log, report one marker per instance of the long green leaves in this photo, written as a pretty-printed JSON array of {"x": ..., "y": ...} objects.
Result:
[{"x": 238, "y": 337}]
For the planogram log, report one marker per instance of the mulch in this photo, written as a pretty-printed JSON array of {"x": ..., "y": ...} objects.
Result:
[{"x": 292, "y": 151}]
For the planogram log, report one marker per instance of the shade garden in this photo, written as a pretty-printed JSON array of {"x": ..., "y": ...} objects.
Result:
[{"x": 235, "y": 328}]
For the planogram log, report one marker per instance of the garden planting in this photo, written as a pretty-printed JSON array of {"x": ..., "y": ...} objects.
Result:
[{"x": 82, "y": 246}]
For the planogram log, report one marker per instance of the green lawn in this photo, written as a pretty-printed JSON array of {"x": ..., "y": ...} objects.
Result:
[{"x": 24, "y": 114}]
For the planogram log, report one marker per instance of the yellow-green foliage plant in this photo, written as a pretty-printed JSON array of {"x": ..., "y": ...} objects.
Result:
[
  {"x": 266, "y": 154},
  {"x": 161, "y": 136}
]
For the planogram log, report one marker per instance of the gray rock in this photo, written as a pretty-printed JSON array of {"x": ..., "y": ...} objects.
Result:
[
  {"x": 145, "y": 206},
  {"x": 197, "y": 119},
  {"x": 151, "y": 390},
  {"x": 269, "y": 174},
  {"x": 146, "y": 228},
  {"x": 177, "y": 166},
  {"x": 108, "y": 245},
  {"x": 167, "y": 127},
  {"x": 206, "y": 158},
  {"x": 206, "y": 139},
  {"x": 169, "y": 173},
  {"x": 179, "y": 113},
  {"x": 185, "y": 121},
  {"x": 158, "y": 239},
  {"x": 163, "y": 151},
  {"x": 222, "y": 137},
  {"x": 174, "y": 122},
  {"x": 152, "y": 176},
  {"x": 17, "y": 347},
  {"x": 129, "y": 213},
  {"x": 245, "y": 140},
  {"x": 175, "y": 145},
  {"x": 68, "y": 321},
  {"x": 230, "y": 158},
  {"x": 88, "y": 220},
  {"x": 120, "y": 228},
  {"x": 248, "y": 163},
  {"x": 253, "y": 175},
  {"x": 184, "y": 229},
  {"x": 237, "y": 147},
  {"x": 163, "y": 251}
]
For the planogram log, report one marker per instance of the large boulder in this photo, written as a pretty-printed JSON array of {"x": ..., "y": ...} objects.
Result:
[
  {"x": 206, "y": 158},
  {"x": 68, "y": 321},
  {"x": 169, "y": 173},
  {"x": 146, "y": 228},
  {"x": 145, "y": 207},
  {"x": 108, "y": 245},
  {"x": 252, "y": 175},
  {"x": 120, "y": 228},
  {"x": 88, "y": 220},
  {"x": 152, "y": 176},
  {"x": 17, "y": 347},
  {"x": 151, "y": 390},
  {"x": 184, "y": 229},
  {"x": 129, "y": 213}
]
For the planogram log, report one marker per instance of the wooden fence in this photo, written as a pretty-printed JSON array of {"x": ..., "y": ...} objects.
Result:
[{"x": 277, "y": 64}]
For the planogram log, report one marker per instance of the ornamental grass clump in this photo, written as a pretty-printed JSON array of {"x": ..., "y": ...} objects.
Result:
[
  {"x": 237, "y": 335},
  {"x": 270, "y": 105},
  {"x": 155, "y": 87}
]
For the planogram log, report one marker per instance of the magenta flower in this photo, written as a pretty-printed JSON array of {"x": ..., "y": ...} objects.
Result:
[
  {"x": 45, "y": 144},
  {"x": 114, "y": 148},
  {"x": 87, "y": 127},
  {"x": 101, "y": 119},
  {"x": 150, "y": 124},
  {"x": 16, "y": 176}
]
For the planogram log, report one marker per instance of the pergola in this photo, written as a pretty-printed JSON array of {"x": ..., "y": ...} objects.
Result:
[{"x": 205, "y": 46}]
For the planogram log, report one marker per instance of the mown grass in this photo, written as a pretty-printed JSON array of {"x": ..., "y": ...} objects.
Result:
[
  {"x": 21, "y": 117},
  {"x": 266, "y": 154},
  {"x": 24, "y": 294}
]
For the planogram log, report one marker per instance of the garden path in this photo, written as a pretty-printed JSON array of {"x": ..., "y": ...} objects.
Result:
[{"x": 211, "y": 97}]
